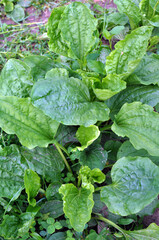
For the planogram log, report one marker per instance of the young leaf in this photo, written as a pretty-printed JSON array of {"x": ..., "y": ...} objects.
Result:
[
  {"x": 12, "y": 172},
  {"x": 16, "y": 79},
  {"x": 96, "y": 66},
  {"x": 32, "y": 185},
  {"x": 67, "y": 100},
  {"x": 111, "y": 85},
  {"x": 147, "y": 71},
  {"x": 135, "y": 185},
  {"x": 77, "y": 26},
  {"x": 45, "y": 161},
  {"x": 145, "y": 234},
  {"x": 86, "y": 136},
  {"x": 145, "y": 94},
  {"x": 90, "y": 176},
  {"x": 20, "y": 117},
  {"x": 141, "y": 124},
  {"x": 39, "y": 65},
  {"x": 128, "y": 52},
  {"x": 77, "y": 204},
  {"x": 131, "y": 10}
]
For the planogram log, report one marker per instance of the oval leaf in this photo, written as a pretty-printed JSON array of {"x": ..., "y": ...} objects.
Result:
[
  {"x": 12, "y": 172},
  {"x": 146, "y": 94},
  {"x": 140, "y": 123},
  {"x": 128, "y": 52},
  {"x": 16, "y": 79},
  {"x": 67, "y": 100},
  {"x": 135, "y": 185},
  {"x": 77, "y": 26},
  {"x": 20, "y": 117},
  {"x": 77, "y": 204}
]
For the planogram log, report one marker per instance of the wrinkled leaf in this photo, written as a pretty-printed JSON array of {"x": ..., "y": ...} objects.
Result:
[
  {"x": 111, "y": 85},
  {"x": 77, "y": 204},
  {"x": 45, "y": 161},
  {"x": 39, "y": 65},
  {"x": 128, "y": 52},
  {"x": 147, "y": 72},
  {"x": 145, "y": 94},
  {"x": 32, "y": 185},
  {"x": 77, "y": 26},
  {"x": 127, "y": 149},
  {"x": 131, "y": 10},
  {"x": 135, "y": 185},
  {"x": 11, "y": 172},
  {"x": 140, "y": 124},
  {"x": 20, "y": 117},
  {"x": 16, "y": 79},
  {"x": 56, "y": 73},
  {"x": 117, "y": 18},
  {"x": 67, "y": 100},
  {"x": 90, "y": 176},
  {"x": 56, "y": 43}
]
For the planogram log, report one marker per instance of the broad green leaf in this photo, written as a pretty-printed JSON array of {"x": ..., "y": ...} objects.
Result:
[
  {"x": 66, "y": 134},
  {"x": 147, "y": 71},
  {"x": 93, "y": 157},
  {"x": 20, "y": 117},
  {"x": 90, "y": 176},
  {"x": 116, "y": 18},
  {"x": 17, "y": 14},
  {"x": 96, "y": 66},
  {"x": 32, "y": 185},
  {"x": 150, "y": 233},
  {"x": 86, "y": 136},
  {"x": 111, "y": 85},
  {"x": 14, "y": 226},
  {"x": 45, "y": 161},
  {"x": 9, "y": 227},
  {"x": 77, "y": 204},
  {"x": 56, "y": 43},
  {"x": 145, "y": 94},
  {"x": 112, "y": 147},
  {"x": 16, "y": 79},
  {"x": 67, "y": 100},
  {"x": 128, "y": 52},
  {"x": 52, "y": 190},
  {"x": 131, "y": 10},
  {"x": 127, "y": 149},
  {"x": 12, "y": 172},
  {"x": 8, "y": 6},
  {"x": 39, "y": 65},
  {"x": 77, "y": 27},
  {"x": 154, "y": 21},
  {"x": 116, "y": 30},
  {"x": 56, "y": 73},
  {"x": 58, "y": 235},
  {"x": 135, "y": 185},
  {"x": 140, "y": 124},
  {"x": 54, "y": 208}
]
